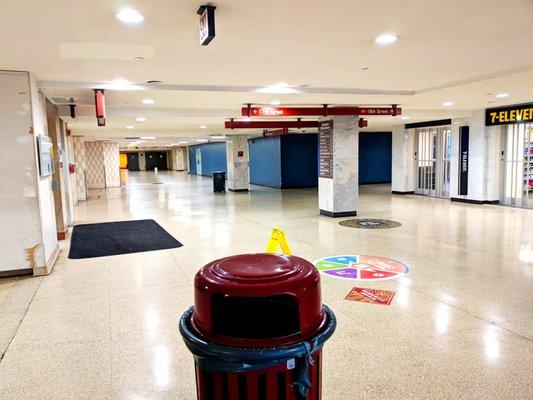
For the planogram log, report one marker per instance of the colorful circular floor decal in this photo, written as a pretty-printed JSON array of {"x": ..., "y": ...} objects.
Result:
[
  {"x": 361, "y": 268},
  {"x": 370, "y": 223}
]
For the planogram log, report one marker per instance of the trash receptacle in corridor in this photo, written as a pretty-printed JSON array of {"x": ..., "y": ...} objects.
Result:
[
  {"x": 219, "y": 181},
  {"x": 257, "y": 329}
]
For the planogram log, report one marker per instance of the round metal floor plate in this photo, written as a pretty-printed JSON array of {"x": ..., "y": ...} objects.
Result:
[{"x": 370, "y": 223}]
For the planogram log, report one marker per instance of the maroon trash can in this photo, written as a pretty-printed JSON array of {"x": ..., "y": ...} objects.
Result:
[{"x": 257, "y": 329}]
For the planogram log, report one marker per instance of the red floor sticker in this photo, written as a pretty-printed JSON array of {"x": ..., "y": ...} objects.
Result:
[{"x": 373, "y": 296}]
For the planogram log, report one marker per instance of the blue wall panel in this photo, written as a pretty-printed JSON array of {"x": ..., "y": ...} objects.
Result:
[
  {"x": 213, "y": 158},
  {"x": 265, "y": 161},
  {"x": 299, "y": 161},
  {"x": 375, "y": 157},
  {"x": 192, "y": 160}
]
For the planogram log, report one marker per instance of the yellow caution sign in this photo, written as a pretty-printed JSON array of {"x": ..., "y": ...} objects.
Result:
[{"x": 278, "y": 239}]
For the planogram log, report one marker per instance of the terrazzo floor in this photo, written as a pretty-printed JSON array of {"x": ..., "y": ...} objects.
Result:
[{"x": 459, "y": 327}]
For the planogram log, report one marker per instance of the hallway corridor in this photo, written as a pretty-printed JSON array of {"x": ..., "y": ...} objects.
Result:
[{"x": 107, "y": 328}]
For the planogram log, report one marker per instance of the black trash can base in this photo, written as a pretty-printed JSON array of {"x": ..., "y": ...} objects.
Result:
[{"x": 219, "y": 181}]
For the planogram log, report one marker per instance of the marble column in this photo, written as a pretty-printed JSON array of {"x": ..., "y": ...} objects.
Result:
[
  {"x": 338, "y": 178},
  {"x": 238, "y": 175},
  {"x": 484, "y": 160},
  {"x": 403, "y": 155}
]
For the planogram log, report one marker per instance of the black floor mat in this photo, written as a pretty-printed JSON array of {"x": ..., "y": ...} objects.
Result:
[{"x": 112, "y": 238}]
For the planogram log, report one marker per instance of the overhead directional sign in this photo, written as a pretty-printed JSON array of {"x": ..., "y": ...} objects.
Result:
[
  {"x": 317, "y": 111},
  {"x": 206, "y": 29},
  {"x": 270, "y": 124}
]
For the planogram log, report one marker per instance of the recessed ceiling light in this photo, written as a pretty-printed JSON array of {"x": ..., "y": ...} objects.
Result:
[
  {"x": 148, "y": 137},
  {"x": 502, "y": 95},
  {"x": 278, "y": 88},
  {"x": 447, "y": 103},
  {"x": 183, "y": 142},
  {"x": 129, "y": 127},
  {"x": 203, "y": 126},
  {"x": 218, "y": 137},
  {"x": 129, "y": 16},
  {"x": 121, "y": 84},
  {"x": 148, "y": 101},
  {"x": 202, "y": 140},
  {"x": 405, "y": 117},
  {"x": 275, "y": 102},
  {"x": 140, "y": 119},
  {"x": 386, "y": 38}
]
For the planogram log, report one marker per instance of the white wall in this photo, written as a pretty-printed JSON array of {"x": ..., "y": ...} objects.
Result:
[
  {"x": 19, "y": 220},
  {"x": 46, "y": 197}
]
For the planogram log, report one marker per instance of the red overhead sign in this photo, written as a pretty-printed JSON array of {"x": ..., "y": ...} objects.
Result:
[
  {"x": 99, "y": 103},
  {"x": 270, "y": 124},
  {"x": 317, "y": 111}
]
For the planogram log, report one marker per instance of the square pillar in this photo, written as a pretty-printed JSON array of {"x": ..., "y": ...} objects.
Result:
[
  {"x": 403, "y": 155},
  {"x": 338, "y": 179},
  {"x": 484, "y": 160},
  {"x": 238, "y": 175}
]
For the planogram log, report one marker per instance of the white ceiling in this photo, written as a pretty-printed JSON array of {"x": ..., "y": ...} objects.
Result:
[{"x": 456, "y": 50}]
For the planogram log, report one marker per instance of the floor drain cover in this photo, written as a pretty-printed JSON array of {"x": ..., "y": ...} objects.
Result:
[
  {"x": 157, "y": 183},
  {"x": 370, "y": 223}
]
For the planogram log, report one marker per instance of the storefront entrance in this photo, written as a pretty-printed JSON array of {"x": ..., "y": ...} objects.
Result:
[
  {"x": 517, "y": 176},
  {"x": 432, "y": 160}
]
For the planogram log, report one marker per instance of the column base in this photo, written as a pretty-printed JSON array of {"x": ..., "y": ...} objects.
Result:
[
  {"x": 338, "y": 214},
  {"x": 470, "y": 201},
  {"x": 402, "y": 193}
]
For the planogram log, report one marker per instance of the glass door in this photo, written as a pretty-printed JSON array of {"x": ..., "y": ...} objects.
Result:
[
  {"x": 433, "y": 157},
  {"x": 426, "y": 161},
  {"x": 517, "y": 182}
]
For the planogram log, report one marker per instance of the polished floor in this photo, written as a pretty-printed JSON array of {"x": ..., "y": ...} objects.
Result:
[{"x": 460, "y": 326}]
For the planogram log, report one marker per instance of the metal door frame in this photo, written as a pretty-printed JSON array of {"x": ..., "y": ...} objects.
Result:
[
  {"x": 432, "y": 161},
  {"x": 516, "y": 169}
]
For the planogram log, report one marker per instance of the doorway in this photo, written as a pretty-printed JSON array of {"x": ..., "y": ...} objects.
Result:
[
  {"x": 432, "y": 160},
  {"x": 198, "y": 151},
  {"x": 156, "y": 159},
  {"x": 133, "y": 161},
  {"x": 517, "y": 158}
]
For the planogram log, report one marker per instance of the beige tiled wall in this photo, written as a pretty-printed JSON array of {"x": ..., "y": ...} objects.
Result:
[
  {"x": 94, "y": 156},
  {"x": 103, "y": 164},
  {"x": 78, "y": 143},
  {"x": 111, "y": 164}
]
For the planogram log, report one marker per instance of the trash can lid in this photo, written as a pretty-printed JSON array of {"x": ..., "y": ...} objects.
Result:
[
  {"x": 249, "y": 289},
  {"x": 256, "y": 268}
]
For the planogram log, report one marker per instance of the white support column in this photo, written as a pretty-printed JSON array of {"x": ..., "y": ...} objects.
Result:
[
  {"x": 403, "y": 147},
  {"x": 337, "y": 195},
  {"x": 484, "y": 162},
  {"x": 238, "y": 175}
]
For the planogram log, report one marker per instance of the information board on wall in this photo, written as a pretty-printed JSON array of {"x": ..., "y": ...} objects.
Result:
[
  {"x": 325, "y": 134},
  {"x": 463, "y": 159}
]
